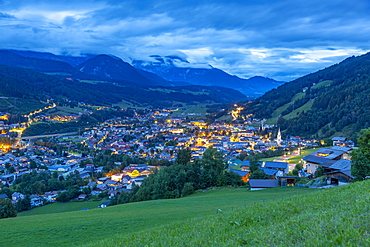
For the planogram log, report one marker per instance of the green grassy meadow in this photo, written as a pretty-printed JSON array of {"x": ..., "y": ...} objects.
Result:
[
  {"x": 87, "y": 227},
  {"x": 305, "y": 152},
  {"x": 326, "y": 83},
  {"x": 61, "y": 208},
  {"x": 331, "y": 217},
  {"x": 188, "y": 109},
  {"x": 303, "y": 108},
  {"x": 276, "y": 114},
  {"x": 294, "y": 159}
]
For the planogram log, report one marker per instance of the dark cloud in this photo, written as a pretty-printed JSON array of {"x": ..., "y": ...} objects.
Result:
[
  {"x": 280, "y": 39},
  {"x": 5, "y": 16}
]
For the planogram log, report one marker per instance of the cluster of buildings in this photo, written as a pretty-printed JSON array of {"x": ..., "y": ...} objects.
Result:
[
  {"x": 39, "y": 158},
  {"x": 130, "y": 176},
  {"x": 335, "y": 163},
  {"x": 157, "y": 136}
]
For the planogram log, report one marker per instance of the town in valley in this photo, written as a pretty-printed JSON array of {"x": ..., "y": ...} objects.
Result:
[{"x": 149, "y": 140}]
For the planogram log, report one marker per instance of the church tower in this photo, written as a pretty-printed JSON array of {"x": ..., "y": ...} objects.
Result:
[{"x": 278, "y": 138}]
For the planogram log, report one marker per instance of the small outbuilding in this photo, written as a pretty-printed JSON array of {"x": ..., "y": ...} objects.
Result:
[{"x": 260, "y": 184}]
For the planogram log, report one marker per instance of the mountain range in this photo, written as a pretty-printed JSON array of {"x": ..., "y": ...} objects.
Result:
[
  {"x": 164, "y": 72},
  {"x": 331, "y": 102},
  {"x": 167, "y": 67},
  {"x": 100, "y": 79}
]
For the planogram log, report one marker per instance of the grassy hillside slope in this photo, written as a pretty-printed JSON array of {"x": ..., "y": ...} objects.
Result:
[
  {"x": 84, "y": 227},
  {"x": 332, "y": 217}
]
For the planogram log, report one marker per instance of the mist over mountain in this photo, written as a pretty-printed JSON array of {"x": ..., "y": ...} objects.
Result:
[
  {"x": 109, "y": 68},
  {"x": 38, "y": 64},
  {"x": 74, "y": 61},
  {"x": 173, "y": 68}
]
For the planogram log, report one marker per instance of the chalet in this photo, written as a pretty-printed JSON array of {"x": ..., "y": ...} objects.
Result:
[
  {"x": 36, "y": 201},
  {"x": 281, "y": 166},
  {"x": 339, "y": 171},
  {"x": 99, "y": 169},
  {"x": 340, "y": 176},
  {"x": 126, "y": 179},
  {"x": 104, "y": 205},
  {"x": 103, "y": 180},
  {"x": 101, "y": 187},
  {"x": 325, "y": 155},
  {"x": 50, "y": 196},
  {"x": 260, "y": 184},
  {"x": 7, "y": 179},
  {"x": 16, "y": 197},
  {"x": 60, "y": 168},
  {"x": 287, "y": 180},
  {"x": 243, "y": 174},
  {"x": 273, "y": 173},
  {"x": 98, "y": 190},
  {"x": 342, "y": 142},
  {"x": 335, "y": 165},
  {"x": 234, "y": 162},
  {"x": 91, "y": 184},
  {"x": 337, "y": 140},
  {"x": 3, "y": 196},
  {"x": 246, "y": 133},
  {"x": 112, "y": 184},
  {"x": 84, "y": 174},
  {"x": 82, "y": 197},
  {"x": 138, "y": 180},
  {"x": 113, "y": 193},
  {"x": 260, "y": 146},
  {"x": 89, "y": 168}
]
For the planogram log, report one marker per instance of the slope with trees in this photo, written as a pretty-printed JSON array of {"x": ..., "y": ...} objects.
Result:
[
  {"x": 28, "y": 84},
  {"x": 183, "y": 178},
  {"x": 339, "y": 96},
  {"x": 361, "y": 157}
]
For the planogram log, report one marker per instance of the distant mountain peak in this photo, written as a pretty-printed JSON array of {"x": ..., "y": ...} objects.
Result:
[
  {"x": 174, "y": 68},
  {"x": 109, "y": 67}
]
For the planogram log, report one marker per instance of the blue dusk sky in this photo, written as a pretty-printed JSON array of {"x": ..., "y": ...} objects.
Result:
[{"x": 281, "y": 39}]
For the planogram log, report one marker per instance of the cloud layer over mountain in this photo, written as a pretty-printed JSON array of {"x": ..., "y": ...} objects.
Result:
[{"x": 279, "y": 39}]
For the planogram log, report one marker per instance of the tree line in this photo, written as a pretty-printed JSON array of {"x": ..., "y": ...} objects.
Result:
[{"x": 183, "y": 178}]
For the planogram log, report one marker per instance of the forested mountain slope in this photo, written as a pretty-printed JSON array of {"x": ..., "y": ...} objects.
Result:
[
  {"x": 29, "y": 84},
  {"x": 332, "y": 101}
]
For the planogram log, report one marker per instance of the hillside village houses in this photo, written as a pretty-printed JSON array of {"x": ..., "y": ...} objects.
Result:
[
  {"x": 335, "y": 162},
  {"x": 157, "y": 136}
]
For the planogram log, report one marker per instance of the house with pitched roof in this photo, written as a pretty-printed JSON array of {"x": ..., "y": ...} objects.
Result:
[
  {"x": 243, "y": 174},
  {"x": 273, "y": 173},
  {"x": 339, "y": 171},
  {"x": 281, "y": 166},
  {"x": 325, "y": 157}
]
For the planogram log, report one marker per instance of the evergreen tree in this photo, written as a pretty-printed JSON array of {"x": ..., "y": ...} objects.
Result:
[
  {"x": 187, "y": 190},
  {"x": 7, "y": 209},
  {"x": 361, "y": 157},
  {"x": 319, "y": 172},
  {"x": 258, "y": 174},
  {"x": 183, "y": 156}
]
